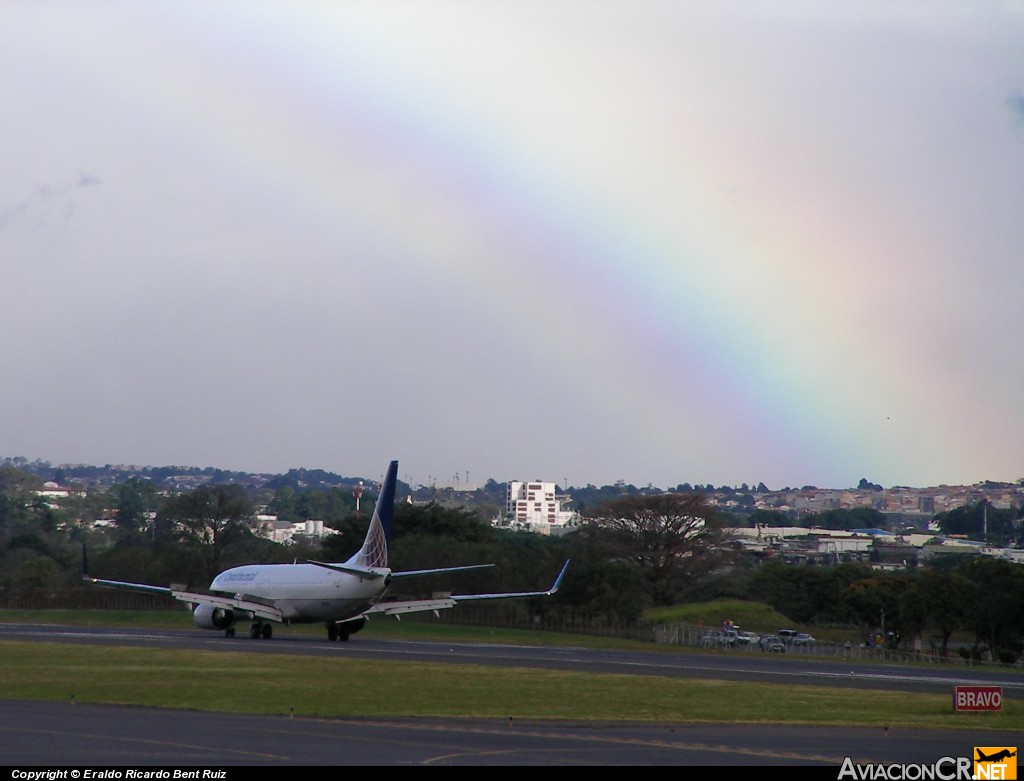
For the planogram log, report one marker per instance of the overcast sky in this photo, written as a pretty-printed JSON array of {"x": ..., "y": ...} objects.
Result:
[{"x": 660, "y": 242}]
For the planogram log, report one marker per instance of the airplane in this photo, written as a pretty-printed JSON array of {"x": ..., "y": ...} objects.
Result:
[
  {"x": 1004, "y": 754},
  {"x": 341, "y": 595}
]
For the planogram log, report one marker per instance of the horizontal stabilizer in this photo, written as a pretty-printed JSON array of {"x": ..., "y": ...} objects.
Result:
[{"x": 361, "y": 572}]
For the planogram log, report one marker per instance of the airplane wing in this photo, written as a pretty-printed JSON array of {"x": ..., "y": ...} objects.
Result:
[
  {"x": 259, "y": 608},
  {"x": 117, "y": 583},
  {"x": 518, "y": 594},
  {"x": 421, "y": 605},
  {"x": 124, "y": 584},
  {"x": 414, "y": 606}
]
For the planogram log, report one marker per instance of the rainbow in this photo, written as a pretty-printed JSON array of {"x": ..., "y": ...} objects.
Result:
[{"x": 720, "y": 297}]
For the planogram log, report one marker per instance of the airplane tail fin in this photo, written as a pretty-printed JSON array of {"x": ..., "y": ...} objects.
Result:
[{"x": 374, "y": 552}]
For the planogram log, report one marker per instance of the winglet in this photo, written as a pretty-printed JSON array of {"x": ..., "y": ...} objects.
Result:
[
  {"x": 558, "y": 581},
  {"x": 515, "y": 594}
]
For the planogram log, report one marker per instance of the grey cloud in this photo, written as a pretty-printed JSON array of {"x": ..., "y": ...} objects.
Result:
[
  {"x": 13, "y": 213},
  {"x": 1016, "y": 104},
  {"x": 47, "y": 195},
  {"x": 86, "y": 179}
]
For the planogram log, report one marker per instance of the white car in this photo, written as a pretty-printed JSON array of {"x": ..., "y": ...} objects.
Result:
[{"x": 772, "y": 644}]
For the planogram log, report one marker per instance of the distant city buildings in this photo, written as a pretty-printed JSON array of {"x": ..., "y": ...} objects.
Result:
[
  {"x": 535, "y": 506},
  {"x": 880, "y": 549},
  {"x": 908, "y": 503}
]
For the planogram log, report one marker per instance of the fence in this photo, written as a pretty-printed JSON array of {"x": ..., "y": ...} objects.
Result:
[
  {"x": 701, "y": 637},
  {"x": 85, "y": 599}
]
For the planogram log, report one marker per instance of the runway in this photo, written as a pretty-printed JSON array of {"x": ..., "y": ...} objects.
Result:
[
  {"x": 735, "y": 666},
  {"x": 63, "y": 735}
]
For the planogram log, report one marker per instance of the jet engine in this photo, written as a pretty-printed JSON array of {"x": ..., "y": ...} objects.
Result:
[{"x": 210, "y": 617}]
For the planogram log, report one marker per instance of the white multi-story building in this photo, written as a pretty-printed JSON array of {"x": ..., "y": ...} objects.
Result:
[
  {"x": 536, "y": 507},
  {"x": 288, "y": 533}
]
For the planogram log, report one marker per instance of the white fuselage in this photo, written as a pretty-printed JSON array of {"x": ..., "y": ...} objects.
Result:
[{"x": 305, "y": 592}]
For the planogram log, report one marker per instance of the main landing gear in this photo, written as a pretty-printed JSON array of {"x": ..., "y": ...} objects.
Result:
[
  {"x": 335, "y": 632},
  {"x": 257, "y": 630},
  {"x": 260, "y": 629}
]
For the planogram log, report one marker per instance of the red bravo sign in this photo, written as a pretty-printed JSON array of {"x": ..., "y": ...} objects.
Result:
[{"x": 977, "y": 698}]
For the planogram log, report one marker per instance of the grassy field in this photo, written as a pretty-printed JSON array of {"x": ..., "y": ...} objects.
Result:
[
  {"x": 263, "y": 683},
  {"x": 269, "y": 683},
  {"x": 752, "y": 616},
  {"x": 755, "y": 616}
]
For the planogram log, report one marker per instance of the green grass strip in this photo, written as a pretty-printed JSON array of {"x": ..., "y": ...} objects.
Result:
[{"x": 241, "y": 682}]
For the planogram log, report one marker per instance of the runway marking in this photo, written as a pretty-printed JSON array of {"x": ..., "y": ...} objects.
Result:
[
  {"x": 106, "y": 740},
  {"x": 676, "y": 667},
  {"x": 660, "y": 743}
]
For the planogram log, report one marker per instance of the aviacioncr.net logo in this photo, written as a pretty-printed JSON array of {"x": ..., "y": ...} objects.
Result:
[
  {"x": 995, "y": 762},
  {"x": 945, "y": 769}
]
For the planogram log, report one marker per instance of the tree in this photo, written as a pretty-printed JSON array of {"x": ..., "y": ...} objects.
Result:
[
  {"x": 768, "y": 518},
  {"x": 673, "y": 539},
  {"x": 855, "y": 518},
  {"x": 938, "y": 601},
  {"x": 18, "y": 483},
  {"x": 981, "y": 521},
  {"x": 606, "y": 588},
  {"x": 799, "y": 593},
  {"x": 874, "y": 601},
  {"x": 283, "y": 504},
  {"x": 35, "y": 574},
  {"x": 131, "y": 501},
  {"x": 212, "y": 518},
  {"x": 997, "y": 615},
  {"x": 457, "y": 523}
]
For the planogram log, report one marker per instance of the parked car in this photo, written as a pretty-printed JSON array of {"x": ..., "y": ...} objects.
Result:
[
  {"x": 710, "y": 639},
  {"x": 787, "y": 634},
  {"x": 747, "y": 638},
  {"x": 772, "y": 644},
  {"x": 719, "y": 638},
  {"x": 803, "y": 639}
]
